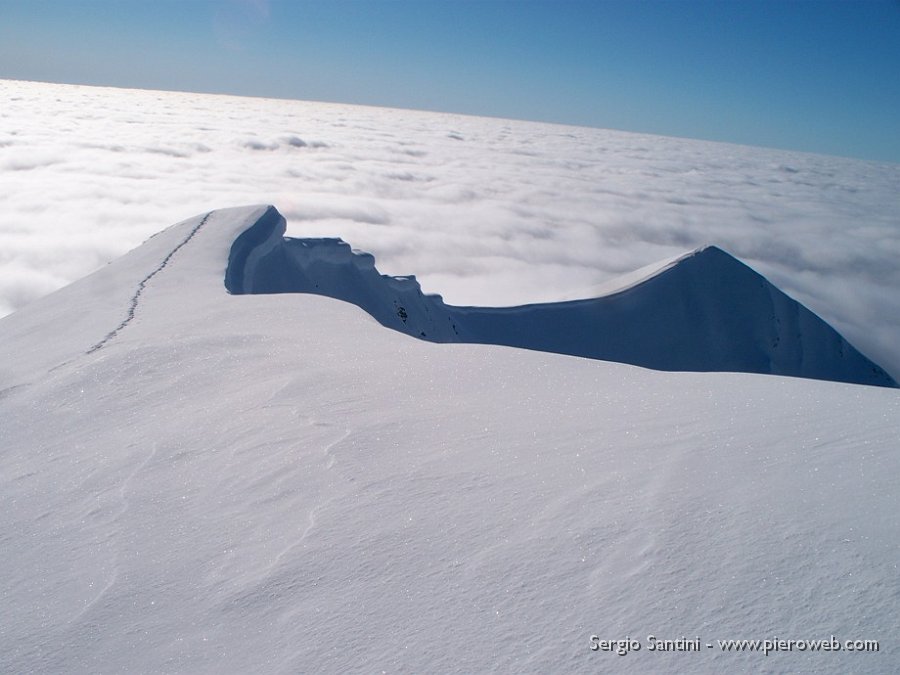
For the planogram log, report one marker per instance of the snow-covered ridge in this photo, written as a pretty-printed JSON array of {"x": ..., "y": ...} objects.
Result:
[
  {"x": 514, "y": 213},
  {"x": 702, "y": 311},
  {"x": 236, "y": 483}
]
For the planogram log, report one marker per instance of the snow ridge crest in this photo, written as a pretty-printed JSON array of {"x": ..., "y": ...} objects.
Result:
[
  {"x": 703, "y": 311},
  {"x": 136, "y": 298}
]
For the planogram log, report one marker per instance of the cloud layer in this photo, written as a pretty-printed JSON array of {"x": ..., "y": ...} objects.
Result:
[{"x": 483, "y": 211}]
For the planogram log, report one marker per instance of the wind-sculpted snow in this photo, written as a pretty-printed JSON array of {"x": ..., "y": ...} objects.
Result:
[
  {"x": 704, "y": 311},
  {"x": 277, "y": 484}
]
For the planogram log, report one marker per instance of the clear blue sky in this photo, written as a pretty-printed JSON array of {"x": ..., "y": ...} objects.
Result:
[{"x": 807, "y": 75}]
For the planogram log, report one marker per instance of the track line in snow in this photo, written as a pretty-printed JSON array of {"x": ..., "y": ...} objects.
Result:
[{"x": 136, "y": 298}]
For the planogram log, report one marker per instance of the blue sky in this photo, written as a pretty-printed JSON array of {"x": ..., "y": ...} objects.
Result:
[{"x": 815, "y": 76}]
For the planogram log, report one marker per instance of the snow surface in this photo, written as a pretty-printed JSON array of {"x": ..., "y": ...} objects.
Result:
[
  {"x": 485, "y": 211},
  {"x": 276, "y": 483},
  {"x": 703, "y": 311}
]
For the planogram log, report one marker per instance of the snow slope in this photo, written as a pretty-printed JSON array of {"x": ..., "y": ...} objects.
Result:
[
  {"x": 276, "y": 483},
  {"x": 702, "y": 311}
]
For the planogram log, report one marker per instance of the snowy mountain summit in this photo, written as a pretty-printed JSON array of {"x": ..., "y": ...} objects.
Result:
[
  {"x": 703, "y": 311},
  {"x": 197, "y": 481}
]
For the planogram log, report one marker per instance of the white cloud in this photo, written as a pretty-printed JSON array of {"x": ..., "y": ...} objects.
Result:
[{"x": 483, "y": 211}]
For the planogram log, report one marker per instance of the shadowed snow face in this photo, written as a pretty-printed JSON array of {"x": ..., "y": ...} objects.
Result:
[{"x": 484, "y": 211}]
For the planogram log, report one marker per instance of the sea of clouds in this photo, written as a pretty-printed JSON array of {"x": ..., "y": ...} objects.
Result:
[{"x": 483, "y": 211}]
